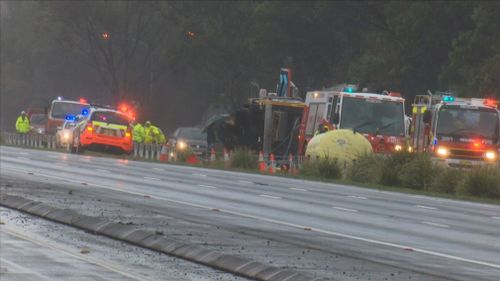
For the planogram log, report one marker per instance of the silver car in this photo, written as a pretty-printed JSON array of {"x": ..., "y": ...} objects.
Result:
[{"x": 64, "y": 133}]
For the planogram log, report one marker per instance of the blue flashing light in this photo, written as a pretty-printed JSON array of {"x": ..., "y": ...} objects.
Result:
[
  {"x": 59, "y": 98},
  {"x": 435, "y": 142},
  {"x": 70, "y": 118},
  {"x": 85, "y": 112},
  {"x": 349, "y": 90},
  {"x": 448, "y": 98}
]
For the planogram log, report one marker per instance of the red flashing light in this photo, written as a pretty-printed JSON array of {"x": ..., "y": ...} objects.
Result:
[
  {"x": 476, "y": 144},
  {"x": 123, "y": 107},
  {"x": 490, "y": 102},
  {"x": 82, "y": 100}
]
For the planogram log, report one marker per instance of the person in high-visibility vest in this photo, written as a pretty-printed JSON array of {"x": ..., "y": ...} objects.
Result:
[
  {"x": 23, "y": 123},
  {"x": 137, "y": 132},
  {"x": 153, "y": 134}
]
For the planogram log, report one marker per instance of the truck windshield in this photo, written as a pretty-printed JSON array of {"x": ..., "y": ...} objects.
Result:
[
  {"x": 110, "y": 117},
  {"x": 481, "y": 123},
  {"x": 373, "y": 116},
  {"x": 60, "y": 109}
]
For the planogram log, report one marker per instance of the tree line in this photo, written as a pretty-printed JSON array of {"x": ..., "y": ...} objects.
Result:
[{"x": 169, "y": 56}]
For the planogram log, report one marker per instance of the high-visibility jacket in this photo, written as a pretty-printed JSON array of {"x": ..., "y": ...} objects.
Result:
[
  {"x": 150, "y": 134},
  {"x": 153, "y": 134},
  {"x": 23, "y": 124},
  {"x": 138, "y": 133},
  {"x": 160, "y": 138}
]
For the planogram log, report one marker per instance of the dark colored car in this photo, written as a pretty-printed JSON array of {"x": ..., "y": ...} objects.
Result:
[
  {"x": 38, "y": 122},
  {"x": 190, "y": 138}
]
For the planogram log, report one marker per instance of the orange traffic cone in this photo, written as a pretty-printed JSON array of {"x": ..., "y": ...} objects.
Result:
[
  {"x": 164, "y": 153},
  {"x": 212, "y": 155},
  {"x": 262, "y": 163},
  {"x": 272, "y": 165}
]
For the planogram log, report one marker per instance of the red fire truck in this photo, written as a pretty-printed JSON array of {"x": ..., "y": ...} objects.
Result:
[
  {"x": 379, "y": 117},
  {"x": 458, "y": 132}
]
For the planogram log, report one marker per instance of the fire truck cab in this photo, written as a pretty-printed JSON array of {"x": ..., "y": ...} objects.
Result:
[
  {"x": 379, "y": 117},
  {"x": 458, "y": 132}
]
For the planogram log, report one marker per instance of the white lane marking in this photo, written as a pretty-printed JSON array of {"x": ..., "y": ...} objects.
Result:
[
  {"x": 53, "y": 156},
  {"x": 496, "y": 218},
  {"x": 24, "y": 158},
  {"x": 24, "y": 153},
  {"x": 61, "y": 164},
  {"x": 345, "y": 209},
  {"x": 159, "y": 169},
  {"x": 357, "y": 197},
  {"x": 435, "y": 224},
  {"x": 299, "y": 226},
  {"x": 67, "y": 251},
  {"x": 425, "y": 207},
  {"x": 200, "y": 175},
  {"x": 244, "y": 181},
  {"x": 207, "y": 186},
  {"x": 102, "y": 170},
  {"x": 151, "y": 178},
  {"x": 298, "y": 189},
  {"x": 270, "y": 196}
]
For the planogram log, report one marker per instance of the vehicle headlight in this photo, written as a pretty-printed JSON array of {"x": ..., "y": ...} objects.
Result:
[
  {"x": 442, "y": 151},
  {"x": 398, "y": 147},
  {"x": 490, "y": 155},
  {"x": 181, "y": 145},
  {"x": 410, "y": 149},
  {"x": 66, "y": 135}
]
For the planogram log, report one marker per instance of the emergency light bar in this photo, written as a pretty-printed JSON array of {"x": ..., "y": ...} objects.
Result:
[
  {"x": 70, "y": 117},
  {"x": 447, "y": 98},
  {"x": 490, "y": 102}
]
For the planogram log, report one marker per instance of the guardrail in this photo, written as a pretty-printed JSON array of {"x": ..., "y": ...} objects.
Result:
[
  {"x": 158, "y": 152},
  {"x": 30, "y": 140},
  {"x": 151, "y": 151}
]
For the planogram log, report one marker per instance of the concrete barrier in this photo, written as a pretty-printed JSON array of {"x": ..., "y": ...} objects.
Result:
[{"x": 150, "y": 240}]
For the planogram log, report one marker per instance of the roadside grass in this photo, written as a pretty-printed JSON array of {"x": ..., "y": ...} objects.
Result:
[
  {"x": 243, "y": 158},
  {"x": 413, "y": 175}
]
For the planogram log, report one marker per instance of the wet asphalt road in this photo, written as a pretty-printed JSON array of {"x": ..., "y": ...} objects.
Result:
[
  {"x": 446, "y": 238},
  {"x": 28, "y": 258}
]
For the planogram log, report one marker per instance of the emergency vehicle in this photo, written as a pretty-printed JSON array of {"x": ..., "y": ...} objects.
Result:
[
  {"x": 59, "y": 109},
  {"x": 379, "y": 117},
  {"x": 103, "y": 127},
  {"x": 458, "y": 132}
]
